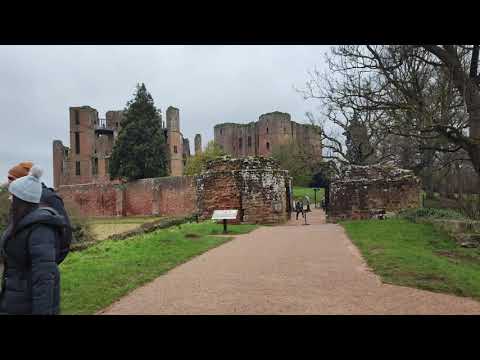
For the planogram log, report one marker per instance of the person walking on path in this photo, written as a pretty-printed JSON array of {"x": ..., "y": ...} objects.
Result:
[
  {"x": 31, "y": 279},
  {"x": 299, "y": 208},
  {"x": 307, "y": 201}
]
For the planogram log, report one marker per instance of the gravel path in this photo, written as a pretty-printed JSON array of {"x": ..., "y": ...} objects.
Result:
[{"x": 291, "y": 269}]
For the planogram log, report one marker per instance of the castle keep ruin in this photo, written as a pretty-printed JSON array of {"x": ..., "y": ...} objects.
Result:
[
  {"x": 260, "y": 137},
  {"x": 256, "y": 186},
  {"x": 361, "y": 192},
  {"x": 91, "y": 145}
]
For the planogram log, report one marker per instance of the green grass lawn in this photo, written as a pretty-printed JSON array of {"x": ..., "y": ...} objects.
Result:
[
  {"x": 96, "y": 277},
  {"x": 416, "y": 255},
  {"x": 300, "y": 192}
]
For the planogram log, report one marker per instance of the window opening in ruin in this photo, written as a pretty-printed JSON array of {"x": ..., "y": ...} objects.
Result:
[
  {"x": 77, "y": 168},
  {"x": 221, "y": 131},
  {"x": 77, "y": 143},
  {"x": 267, "y": 130},
  {"x": 77, "y": 118},
  {"x": 249, "y": 141},
  {"x": 268, "y": 146},
  {"x": 175, "y": 149},
  {"x": 240, "y": 143}
]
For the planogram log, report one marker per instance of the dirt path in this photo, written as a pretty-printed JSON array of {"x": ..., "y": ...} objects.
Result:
[{"x": 292, "y": 269}]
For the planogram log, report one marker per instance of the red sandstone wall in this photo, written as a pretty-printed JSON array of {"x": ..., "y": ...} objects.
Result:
[
  {"x": 139, "y": 198},
  {"x": 177, "y": 195},
  {"x": 355, "y": 201},
  {"x": 219, "y": 192},
  {"x": 172, "y": 196},
  {"x": 255, "y": 187},
  {"x": 90, "y": 199}
]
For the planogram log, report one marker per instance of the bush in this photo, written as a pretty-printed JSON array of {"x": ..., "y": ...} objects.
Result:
[
  {"x": 82, "y": 231},
  {"x": 470, "y": 206},
  {"x": 430, "y": 213}
]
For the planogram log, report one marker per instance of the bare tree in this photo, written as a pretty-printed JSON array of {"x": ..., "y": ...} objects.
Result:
[
  {"x": 409, "y": 102},
  {"x": 460, "y": 65}
]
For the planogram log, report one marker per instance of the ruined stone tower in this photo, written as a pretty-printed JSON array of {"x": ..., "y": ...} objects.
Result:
[
  {"x": 261, "y": 137},
  {"x": 186, "y": 151},
  {"x": 198, "y": 144},
  {"x": 174, "y": 141},
  {"x": 91, "y": 144}
]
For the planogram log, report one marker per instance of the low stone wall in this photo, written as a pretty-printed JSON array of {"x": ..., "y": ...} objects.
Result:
[
  {"x": 170, "y": 196},
  {"x": 255, "y": 186},
  {"x": 95, "y": 200},
  {"x": 360, "y": 192}
]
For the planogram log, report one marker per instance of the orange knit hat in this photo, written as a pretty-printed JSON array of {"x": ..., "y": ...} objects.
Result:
[{"x": 20, "y": 170}]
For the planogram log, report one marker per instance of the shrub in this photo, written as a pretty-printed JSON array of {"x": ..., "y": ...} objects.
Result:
[
  {"x": 470, "y": 206},
  {"x": 82, "y": 231},
  {"x": 430, "y": 213}
]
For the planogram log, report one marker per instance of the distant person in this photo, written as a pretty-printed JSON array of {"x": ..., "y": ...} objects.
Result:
[
  {"x": 31, "y": 280},
  {"x": 299, "y": 208},
  {"x": 307, "y": 201},
  {"x": 50, "y": 198}
]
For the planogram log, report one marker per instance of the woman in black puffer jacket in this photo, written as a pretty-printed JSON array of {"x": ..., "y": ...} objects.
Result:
[{"x": 31, "y": 281}]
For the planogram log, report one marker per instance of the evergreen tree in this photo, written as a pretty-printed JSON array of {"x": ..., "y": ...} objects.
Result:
[{"x": 140, "y": 150}]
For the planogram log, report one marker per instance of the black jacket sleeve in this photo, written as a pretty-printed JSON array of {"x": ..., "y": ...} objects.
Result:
[{"x": 44, "y": 269}]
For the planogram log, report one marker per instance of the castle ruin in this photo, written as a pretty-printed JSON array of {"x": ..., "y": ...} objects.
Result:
[
  {"x": 261, "y": 137},
  {"x": 91, "y": 144},
  {"x": 198, "y": 144},
  {"x": 363, "y": 192}
]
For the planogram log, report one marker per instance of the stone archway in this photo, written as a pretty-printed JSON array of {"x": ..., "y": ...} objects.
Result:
[{"x": 322, "y": 181}]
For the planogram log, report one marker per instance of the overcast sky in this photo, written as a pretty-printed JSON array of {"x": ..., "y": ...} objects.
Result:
[{"x": 209, "y": 84}]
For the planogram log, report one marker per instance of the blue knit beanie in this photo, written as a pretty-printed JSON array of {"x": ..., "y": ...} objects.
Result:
[{"x": 28, "y": 188}]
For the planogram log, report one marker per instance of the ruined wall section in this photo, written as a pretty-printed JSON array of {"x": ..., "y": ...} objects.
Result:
[
  {"x": 82, "y": 145},
  {"x": 170, "y": 196},
  {"x": 198, "y": 144},
  {"x": 262, "y": 137},
  {"x": 238, "y": 140},
  {"x": 273, "y": 129},
  {"x": 186, "y": 151},
  {"x": 60, "y": 153},
  {"x": 360, "y": 192},
  {"x": 309, "y": 137},
  {"x": 114, "y": 121},
  {"x": 254, "y": 186},
  {"x": 174, "y": 141},
  {"x": 93, "y": 200}
]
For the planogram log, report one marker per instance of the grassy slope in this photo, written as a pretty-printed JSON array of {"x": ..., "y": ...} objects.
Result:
[
  {"x": 96, "y": 277},
  {"x": 416, "y": 255},
  {"x": 300, "y": 192}
]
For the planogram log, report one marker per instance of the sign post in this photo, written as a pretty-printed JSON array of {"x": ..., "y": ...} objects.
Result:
[{"x": 224, "y": 215}]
